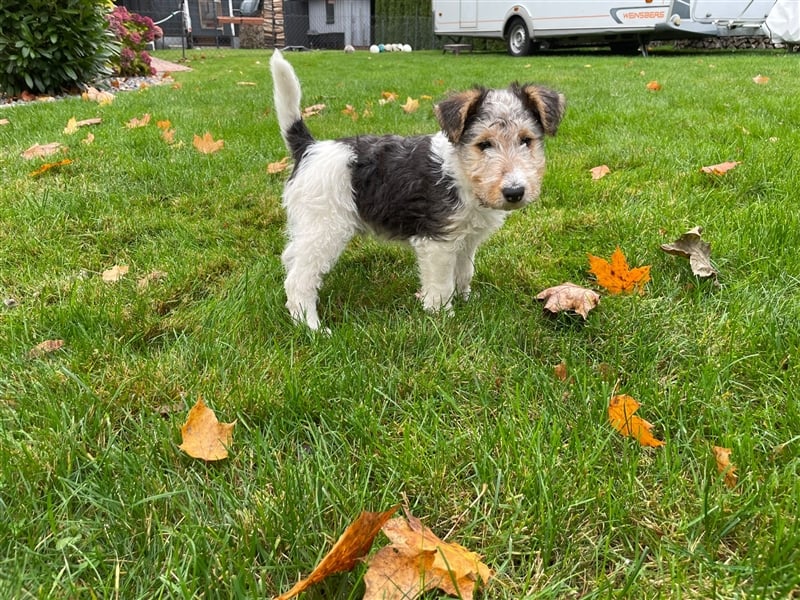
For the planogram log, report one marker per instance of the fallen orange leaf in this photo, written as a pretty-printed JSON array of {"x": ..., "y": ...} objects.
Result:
[
  {"x": 353, "y": 545},
  {"x": 168, "y": 135},
  {"x": 279, "y": 166},
  {"x": 616, "y": 276},
  {"x": 387, "y": 97},
  {"x": 351, "y": 112},
  {"x": 721, "y": 168},
  {"x": 204, "y": 436},
  {"x": 418, "y": 561},
  {"x": 47, "y": 166},
  {"x": 312, "y": 110},
  {"x": 599, "y": 172},
  {"x": 94, "y": 95},
  {"x": 724, "y": 465},
  {"x": 164, "y": 125},
  {"x": 621, "y": 411},
  {"x": 560, "y": 371},
  {"x": 207, "y": 144},
  {"x": 761, "y": 79},
  {"x": 138, "y": 122},
  {"x": 654, "y": 86}
]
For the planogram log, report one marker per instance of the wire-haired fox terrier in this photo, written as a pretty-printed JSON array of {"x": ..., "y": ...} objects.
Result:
[{"x": 443, "y": 194}]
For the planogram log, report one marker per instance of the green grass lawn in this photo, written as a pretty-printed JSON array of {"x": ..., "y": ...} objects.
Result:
[{"x": 461, "y": 417}]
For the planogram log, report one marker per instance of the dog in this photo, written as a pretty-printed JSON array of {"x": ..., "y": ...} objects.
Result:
[{"x": 443, "y": 194}]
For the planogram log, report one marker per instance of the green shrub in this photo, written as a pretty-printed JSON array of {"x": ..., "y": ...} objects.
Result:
[{"x": 47, "y": 46}]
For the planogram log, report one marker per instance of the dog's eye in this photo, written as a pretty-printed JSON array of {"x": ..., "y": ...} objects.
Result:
[
  {"x": 526, "y": 141},
  {"x": 483, "y": 146}
]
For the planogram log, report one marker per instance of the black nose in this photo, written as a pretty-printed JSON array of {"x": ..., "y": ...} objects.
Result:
[{"x": 513, "y": 194}]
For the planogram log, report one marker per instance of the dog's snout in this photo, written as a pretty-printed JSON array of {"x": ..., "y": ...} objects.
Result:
[{"x": 513, "y": 193}]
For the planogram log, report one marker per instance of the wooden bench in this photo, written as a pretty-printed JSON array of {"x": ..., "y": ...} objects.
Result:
[{"x": 456, "y": 48}]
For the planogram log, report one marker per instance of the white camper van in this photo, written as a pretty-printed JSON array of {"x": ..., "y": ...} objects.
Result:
[{"x": 623, "y": 25}]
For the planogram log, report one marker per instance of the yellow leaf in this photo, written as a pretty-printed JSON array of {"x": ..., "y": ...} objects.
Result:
[
  {"x": 72, "y": 126},
  {"x": 353, "y": 545},
  {"x": 115, "y": 273},
  {"x": 207, "y": 144},
  {"x": 411, "y": 105},
  {"x": 621, "y": 411},
  {"x": 351, "y": 112},
  {"x": 761, "y": 79},
  {"x": 616, "y": 276},
  {"x": 312, "y": 110},
  {"x": 204, "y": 436},
  {"x": 88, "y": 139},
  {"x": 722, "y": 457}
]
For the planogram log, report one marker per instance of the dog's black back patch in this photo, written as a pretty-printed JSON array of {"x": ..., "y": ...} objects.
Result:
[{"x": 399, "y": 187}]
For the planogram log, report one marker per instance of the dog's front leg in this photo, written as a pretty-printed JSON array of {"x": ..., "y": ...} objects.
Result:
[{"x": 437, "y": 266}]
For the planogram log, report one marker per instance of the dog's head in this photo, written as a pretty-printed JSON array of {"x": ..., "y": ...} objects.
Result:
[{"x": 497, "y": 135}]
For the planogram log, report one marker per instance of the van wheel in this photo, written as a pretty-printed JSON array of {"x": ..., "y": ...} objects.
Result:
[{"x": 518, "y": 39}]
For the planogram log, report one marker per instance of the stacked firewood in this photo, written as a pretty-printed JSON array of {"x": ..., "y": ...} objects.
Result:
[{"x": 270, "y": 34}]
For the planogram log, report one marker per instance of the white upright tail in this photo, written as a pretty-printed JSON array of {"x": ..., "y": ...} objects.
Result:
[{"x": 287, "y": 92}]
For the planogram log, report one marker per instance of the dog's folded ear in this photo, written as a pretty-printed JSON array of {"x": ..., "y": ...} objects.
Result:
[
  {"x": 454, "y": 113},
  {"x": 547, "y": 105}
]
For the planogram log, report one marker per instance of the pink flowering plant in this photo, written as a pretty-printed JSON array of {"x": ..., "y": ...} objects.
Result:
[{"x": 134, "y": 32}]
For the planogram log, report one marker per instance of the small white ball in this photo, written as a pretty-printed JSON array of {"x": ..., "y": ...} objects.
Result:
[
  {"x": 406, "y": 48},
  {"x": 374, "y": 49},
  {"x": 349, "y": 49}
]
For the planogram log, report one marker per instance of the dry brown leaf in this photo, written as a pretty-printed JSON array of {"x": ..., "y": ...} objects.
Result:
[
  {"x": 761, "y": 79},
  {"x": 115, "y": 273},
  {"x": 722, "y": 456},
  {"x": 350, "y": 111},
  {"x": 569, "y": 297},
  {"x": 94, "y": 95},
  {"x": 692, "y": 246},
  {"x": 45, "y": 347},
  {"x": 88, "y": 139},
  {"x": 560, "y": 371},
  {"x": 204, "y": 436},
  {"x": 150, "y": 278},
  {"x": 168, "y": 135},
  {"x": 721, "y": 168},
  {"x": 164, "y": 124},
  {"x": 411, "y": 105},
  {"x": 599, "y": 172},
  {"x": 387, "y": 97},
  {"x": 278, "y": 167},
  {"x": 4, "y": 122},
  {"x": 432, "y": 562},
  {"x": 207, "y": 144},
  {"x": 136, "y": 122},
  {"x": 353, "y": 545},
  {"x": 616, "y": 276},
  {"x": 314, "y": 109},
  {"x": 654, "y": 86},
  {"x": 621, "y": 411},
  {"x": 41, "y": 150}
]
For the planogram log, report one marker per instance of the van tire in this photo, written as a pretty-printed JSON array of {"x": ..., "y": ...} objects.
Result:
[{"x": 518, "y": 40}]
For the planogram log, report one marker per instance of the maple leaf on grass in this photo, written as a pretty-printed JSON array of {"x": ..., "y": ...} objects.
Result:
[
  {"x": 418, "y": 561},
  {"x": 411, "y": 105},
  {"x": 353, "y": 545},
  {"x": 722, "y": 456},
  {"x": 599, "y": 172},
  {"x": 207, "y": 144},
  {"x": 569, "y": 297},
  {"x": 137, "y": 122},
  {"x": 616, "y": 276},
  {"x": 204, "y": 436},
  {"x": 279, "y": 166},
  {"x": 621, "y": 415},
  {"x": 692, "y": 246},
  {"x": 720, "y": 168}
]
